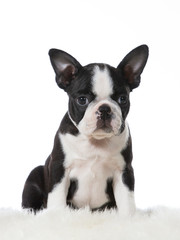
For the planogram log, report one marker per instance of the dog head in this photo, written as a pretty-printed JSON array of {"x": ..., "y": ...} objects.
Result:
[{"x": 99, "y": 93}]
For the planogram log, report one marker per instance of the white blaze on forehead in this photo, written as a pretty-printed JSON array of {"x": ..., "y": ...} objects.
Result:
[{"x": 102, "y": 83}]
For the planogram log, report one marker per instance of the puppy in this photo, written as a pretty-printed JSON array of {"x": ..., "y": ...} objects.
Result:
[{"x": 90, "y": 164}]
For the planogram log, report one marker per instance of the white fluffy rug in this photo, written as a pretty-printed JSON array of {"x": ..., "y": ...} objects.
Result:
[{"x": 160, "y": 223}]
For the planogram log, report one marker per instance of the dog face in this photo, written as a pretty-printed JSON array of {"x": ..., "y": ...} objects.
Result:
[
  {"x": 98, "y": 93},
  {"x": 98, "y": 105}
]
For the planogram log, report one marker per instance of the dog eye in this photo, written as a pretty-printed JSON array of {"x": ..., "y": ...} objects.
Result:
[
  {"x": 122, "y": 99},
  {"x": 82, "y": 101}
]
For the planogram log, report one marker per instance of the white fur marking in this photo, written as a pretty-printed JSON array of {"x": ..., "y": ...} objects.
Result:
[{"x": 102, "y": 83}]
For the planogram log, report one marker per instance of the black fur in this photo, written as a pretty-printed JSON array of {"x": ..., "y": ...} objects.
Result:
[
  {"x": 128, "y": 173},
  {"x": 34, "y": 194}
]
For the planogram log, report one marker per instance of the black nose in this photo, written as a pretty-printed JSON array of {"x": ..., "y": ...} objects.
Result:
[{"x": 105, "y": 112}]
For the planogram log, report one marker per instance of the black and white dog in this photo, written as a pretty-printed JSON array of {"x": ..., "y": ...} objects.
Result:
[{"x": 90, "y": 164}]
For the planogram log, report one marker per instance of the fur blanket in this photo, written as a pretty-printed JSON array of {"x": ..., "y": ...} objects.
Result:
[{"x": 160, "y": 223}]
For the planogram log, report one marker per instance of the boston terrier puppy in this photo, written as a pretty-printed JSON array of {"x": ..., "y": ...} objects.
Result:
[{"x": 90, "y": 164}]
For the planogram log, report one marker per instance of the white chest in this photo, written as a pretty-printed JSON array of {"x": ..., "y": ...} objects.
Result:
[
  {"x": 92, "y": 177},
  {"x": 92, "y": 164}
]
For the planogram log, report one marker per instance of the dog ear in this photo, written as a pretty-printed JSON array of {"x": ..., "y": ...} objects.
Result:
[
  {"x": 65, "y": 66},
  {"x": 133, "y": 64}
]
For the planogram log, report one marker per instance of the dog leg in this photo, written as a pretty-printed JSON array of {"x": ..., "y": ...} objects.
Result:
[
  {"x": 57, "y": 198},
  {"x": 123, "y": 196},
  {"x": 34, "y": 197}
]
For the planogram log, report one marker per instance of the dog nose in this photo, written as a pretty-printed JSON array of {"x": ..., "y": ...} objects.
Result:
[{"x": 105, "y": 111}]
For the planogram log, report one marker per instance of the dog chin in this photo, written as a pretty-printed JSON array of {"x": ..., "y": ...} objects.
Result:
[{"x": 101, "y": 134}]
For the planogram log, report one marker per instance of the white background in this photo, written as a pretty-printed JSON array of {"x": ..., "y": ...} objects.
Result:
[{"x": 31, "y": 105}]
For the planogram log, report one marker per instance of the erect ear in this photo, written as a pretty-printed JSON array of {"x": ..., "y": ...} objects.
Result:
[
  {"x": 65, "y": 66},
  {"x": 133, "y": 64}
]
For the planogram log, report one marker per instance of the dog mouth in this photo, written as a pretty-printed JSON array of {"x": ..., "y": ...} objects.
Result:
[
  {"x": 103, "y": 129},
  {"x": 104, "y": 125}
]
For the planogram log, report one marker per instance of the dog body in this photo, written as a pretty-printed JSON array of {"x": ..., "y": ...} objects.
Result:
[{"x": 90, "y": 164}]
